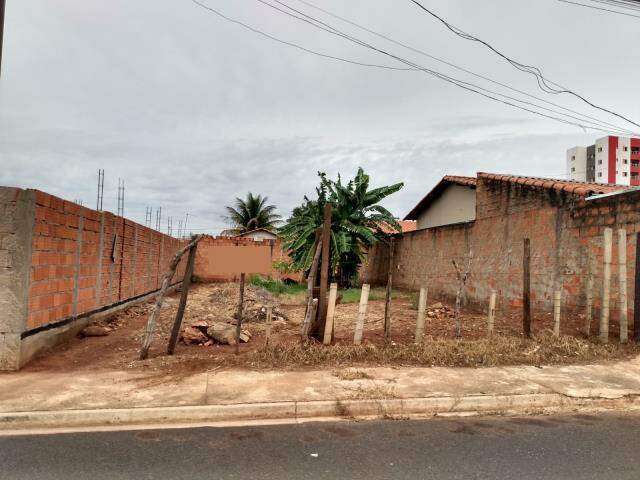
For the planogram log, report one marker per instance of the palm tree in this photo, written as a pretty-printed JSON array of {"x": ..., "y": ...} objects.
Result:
[
  {"x": 357, "y": 223},
  {"x": 252, "y": 213}
]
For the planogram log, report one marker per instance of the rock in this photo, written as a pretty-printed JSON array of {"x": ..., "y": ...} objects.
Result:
[
  {"x": 222, "y": 333},
  {"x": 95, "y": 331},
  {"x": 193, "y": 335}
]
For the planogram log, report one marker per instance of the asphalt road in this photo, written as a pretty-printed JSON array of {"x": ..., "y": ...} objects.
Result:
[{"x": 582, "y": 447}]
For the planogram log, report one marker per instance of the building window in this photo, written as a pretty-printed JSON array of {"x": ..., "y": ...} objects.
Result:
[
  {"x": 599, "y": 149},
  {"x": 626, "y": 149},
  {"x": 624, "y": 174},
  {"x": 625, "y": 161},
  {"x": 599, "y": 174},
  {"x": 573, "y": 157},
  {"x": 599, "y": 162},
  {"x": 573, "y": 169}
]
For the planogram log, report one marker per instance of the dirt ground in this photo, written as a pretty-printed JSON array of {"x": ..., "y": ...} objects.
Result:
[{"x": 218, "y": 302}]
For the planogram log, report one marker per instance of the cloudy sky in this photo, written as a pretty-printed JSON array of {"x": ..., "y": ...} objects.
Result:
[{"x": 193, "y": 110}]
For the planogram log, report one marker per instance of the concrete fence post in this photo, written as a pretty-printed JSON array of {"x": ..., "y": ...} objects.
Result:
[
  {"x": 17, "y": 224},
  {"x": 606, "y": 285}
]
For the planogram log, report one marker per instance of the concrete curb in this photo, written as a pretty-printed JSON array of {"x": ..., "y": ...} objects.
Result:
[{"x": 292, "y": 411}]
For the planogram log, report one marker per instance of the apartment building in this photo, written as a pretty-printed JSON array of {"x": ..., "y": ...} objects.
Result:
[{"x": 610, "y": 160}]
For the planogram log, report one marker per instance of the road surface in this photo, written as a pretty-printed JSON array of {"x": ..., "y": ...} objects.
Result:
[{"x": 581, "y": 447}]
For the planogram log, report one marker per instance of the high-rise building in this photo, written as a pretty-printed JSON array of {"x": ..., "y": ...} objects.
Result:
[{"x": 610, "y": 160}]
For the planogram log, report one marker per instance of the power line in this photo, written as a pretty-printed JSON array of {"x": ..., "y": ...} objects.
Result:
[
  {"x": 457, "y": 67},
  {"x": 462, "y": 84},
  {"x": 291, "y": 44},
  {"x": 600, "y": 8},
  {"x": 543, "y": 83}
]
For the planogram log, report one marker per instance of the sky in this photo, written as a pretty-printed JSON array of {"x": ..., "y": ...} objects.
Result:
[{"x": 192, "y": 110}]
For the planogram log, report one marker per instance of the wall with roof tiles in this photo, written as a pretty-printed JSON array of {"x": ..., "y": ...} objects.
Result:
[{"x": 564, "y": 230}]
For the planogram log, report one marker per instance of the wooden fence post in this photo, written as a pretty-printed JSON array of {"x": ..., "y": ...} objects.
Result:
[
  {"x": 317, "y": 324},
  {"x": 622, "y": 283},
  {"x": 166, "y": 280},
  {"x": 422, "y": 307},
  {"x": 606, "y": 286},
  {"x": 240, "y": 313},
  {"x": 589, "y": 306},
  {"x": 526, "y": 288},
  {"x": 491, "y": 317},
  {"x": 362, "y": 313},
  {"x": 636, "y": 294},
  {"x": 186, "y": 283},
  {"x": 331, "y": 310},
  {"x": 557, "y": 300},
  {"x": 269, "y": 324},
  {"x": 387, "y": 303}
]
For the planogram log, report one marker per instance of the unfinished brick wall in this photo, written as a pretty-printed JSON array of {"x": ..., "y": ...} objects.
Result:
[
  {"x": 564, "y": 230},
  {"x": 221, "y": 259},
  {"x": 61, "y": 261},
  {"x": 83, "y": 260}
]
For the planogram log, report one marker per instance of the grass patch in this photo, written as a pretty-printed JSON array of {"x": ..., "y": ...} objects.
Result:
[
  {"x": 276, "y": 287},
  {"x": 543, "y": 349},
  {"x": 352, "y": 295}
]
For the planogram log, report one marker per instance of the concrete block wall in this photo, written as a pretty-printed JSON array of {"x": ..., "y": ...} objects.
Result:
[
  {"x": 564, "y": 230},
  {"x": 63, "y": 261}
]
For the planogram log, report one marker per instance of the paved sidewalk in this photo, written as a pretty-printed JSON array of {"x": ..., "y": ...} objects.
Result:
[{"x": 27, "y": 398}]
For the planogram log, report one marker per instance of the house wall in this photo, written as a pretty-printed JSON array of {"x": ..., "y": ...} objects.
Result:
[
  {"x": 260, "y": 235},
  {"x": 563, "y": 229},
  {"x": 61, "y": 262},
  {"x": 456, "y": 204}
]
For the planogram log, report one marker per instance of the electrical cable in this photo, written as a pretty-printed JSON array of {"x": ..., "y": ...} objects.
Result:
[{"x": 543, "y": 83}]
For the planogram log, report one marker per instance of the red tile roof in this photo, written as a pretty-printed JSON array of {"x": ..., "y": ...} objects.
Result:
[
  {"x": 582, "y": 189},
  {"x": 437, "y": 191},
  {"x": 407, "y": 226}
]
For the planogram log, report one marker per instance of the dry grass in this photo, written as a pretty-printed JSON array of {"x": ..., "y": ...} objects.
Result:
[
  {"x": 352, "y": 375},
  {"x": 499, "y": 350}
]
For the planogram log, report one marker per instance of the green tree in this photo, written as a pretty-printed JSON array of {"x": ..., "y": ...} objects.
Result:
[
  {"x": 357, "y": 223},
  {"x": 251, "y": 213}
]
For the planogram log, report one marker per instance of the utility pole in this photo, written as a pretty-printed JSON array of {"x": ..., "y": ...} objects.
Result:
[{"x": 2, "y": 5}]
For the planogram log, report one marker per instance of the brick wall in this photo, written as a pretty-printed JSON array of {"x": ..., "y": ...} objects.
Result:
[
  {"x": 224, "y": 258},
  {"x": 564, "y": 230},
  {"x": 60, "y": 261},
  {"x": 83, "y": 260}
]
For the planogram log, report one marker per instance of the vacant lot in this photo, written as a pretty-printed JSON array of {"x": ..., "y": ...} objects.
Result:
[{"x": 211, "y": 303}]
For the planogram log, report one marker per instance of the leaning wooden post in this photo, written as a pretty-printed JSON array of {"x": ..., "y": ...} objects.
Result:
[
  {"x": 313, "y": 309},
  {"x": 331, "y": 310},
  {"x": 186, "y": 283},
  {"x": 387, "y": 303},
  {"x": 636, "y": 293},
  {"x": 590, "y": 281},
  {"x": 557, "y": 299},
  {"x": 622, "y": 283},
  {"x": 317, "y": 323},
  {"x": 268, "y": 325},
  {"x": 422, "y": 307},
  {"x": 491, "y": 316},
  {"x": 526, "y": 288},
  {"x": 240, "y": 313},
  {"x": 166, "y": 280},
  {"x": 606, "y": 286},
  {"x": 362, "y": 313}
]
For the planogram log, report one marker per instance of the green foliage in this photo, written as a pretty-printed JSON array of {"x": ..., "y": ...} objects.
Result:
[
  {"x": 251, "y": 213},
  {"x": 357, "y": 223},
  {"x": 276, "y": 287}
]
